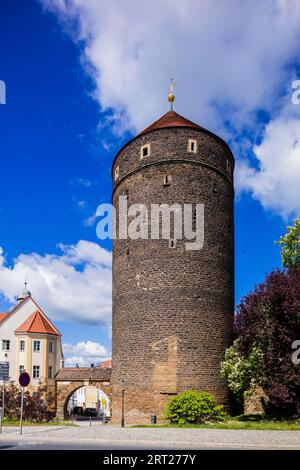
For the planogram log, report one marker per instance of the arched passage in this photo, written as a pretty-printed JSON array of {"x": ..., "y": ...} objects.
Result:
[{"x": 69, "y": 380}]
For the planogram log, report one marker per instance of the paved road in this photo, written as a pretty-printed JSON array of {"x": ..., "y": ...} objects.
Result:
[
  {"x": 27, "y": 444},
  {"x": 109, "y": 436}
]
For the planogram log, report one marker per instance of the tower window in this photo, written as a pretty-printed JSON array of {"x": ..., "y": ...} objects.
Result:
[
  {"x": 228, "y": 167},
  {"x": 22, "y": 345},
  {"x": 192, "y": 146},
  {"x": 145, "y": 151},
  {"x": 167, "y": 180},
  {"x": 117, "y": 173},
  {"x": 172, "y": 243}
]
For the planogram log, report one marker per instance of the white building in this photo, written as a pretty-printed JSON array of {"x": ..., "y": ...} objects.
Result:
[{"x": 30, "y": 342}]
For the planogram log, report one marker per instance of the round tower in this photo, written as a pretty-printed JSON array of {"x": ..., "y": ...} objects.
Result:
[{"x": 172, "y": 306}]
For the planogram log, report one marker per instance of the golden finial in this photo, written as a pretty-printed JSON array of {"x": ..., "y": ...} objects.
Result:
[{"x": 171, "y": 96}]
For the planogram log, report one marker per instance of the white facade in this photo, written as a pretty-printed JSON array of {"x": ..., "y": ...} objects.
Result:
[{"x": 39, "y": 354}]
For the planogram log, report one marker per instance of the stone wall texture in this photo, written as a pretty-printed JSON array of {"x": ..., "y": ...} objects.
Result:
[{"x": 172, "y": 308}]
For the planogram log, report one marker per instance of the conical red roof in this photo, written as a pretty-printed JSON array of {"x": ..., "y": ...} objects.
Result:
[
  {"x": 37, "y": 323},
  {"x": 170, "y": 119}
]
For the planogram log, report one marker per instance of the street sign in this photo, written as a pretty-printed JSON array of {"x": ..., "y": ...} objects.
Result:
[
  {"x": 24, "y": 379},
  {"x": 4, "y": 370}
]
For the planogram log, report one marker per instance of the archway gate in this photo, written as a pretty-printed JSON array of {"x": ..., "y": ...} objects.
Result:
[{"x": 70, "y": 379}]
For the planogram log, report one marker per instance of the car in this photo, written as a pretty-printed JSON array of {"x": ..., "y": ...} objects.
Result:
[
  {"x": 90, "y": 412},
  {"x": 77, "y": 410}
]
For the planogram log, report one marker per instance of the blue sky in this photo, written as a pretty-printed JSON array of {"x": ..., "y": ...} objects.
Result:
[{"x": 75, "y": 95}]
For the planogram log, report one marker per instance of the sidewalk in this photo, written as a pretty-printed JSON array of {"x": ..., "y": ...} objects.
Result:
[{"x": 175, "y": 438}]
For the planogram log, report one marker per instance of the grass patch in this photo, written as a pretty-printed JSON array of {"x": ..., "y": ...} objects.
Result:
[
  {"x": 16, "y": 422},
  {"x": 235, "y": 423}
]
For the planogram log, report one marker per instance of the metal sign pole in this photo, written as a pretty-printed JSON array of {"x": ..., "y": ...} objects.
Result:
[
  {"x": 2, "y": 408},
  {"x": 21, "y": 416}
]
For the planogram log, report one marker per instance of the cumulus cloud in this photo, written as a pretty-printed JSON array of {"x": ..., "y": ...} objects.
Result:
[
  {"x": 72, "y": 286},
  {"x": 275, "y": 180},
  {"x": 85, "y": 353},
  {"x": 221, "y": 53},
  {"x": 230, "y": 60}
]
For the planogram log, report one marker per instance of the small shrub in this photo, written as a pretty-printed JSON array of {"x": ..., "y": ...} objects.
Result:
[{"x": 192, "y": 407}]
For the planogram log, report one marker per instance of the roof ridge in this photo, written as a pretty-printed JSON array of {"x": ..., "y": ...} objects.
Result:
[{"x": 33, "y": 316}]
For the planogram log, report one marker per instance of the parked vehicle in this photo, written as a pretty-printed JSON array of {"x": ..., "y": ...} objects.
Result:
[
  {"x": 90, "y": 412},
  {"x": 77, "y": 410}
]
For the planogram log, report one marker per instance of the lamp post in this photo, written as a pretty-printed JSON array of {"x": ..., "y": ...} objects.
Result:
[{"x": 123, "y": 405}]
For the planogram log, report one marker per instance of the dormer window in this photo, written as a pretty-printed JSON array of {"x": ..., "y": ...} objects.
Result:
[
  {"x": 117, "y": 173},
  {"x": 145, "y": 151},
  {"x": 192, "y": 146}
]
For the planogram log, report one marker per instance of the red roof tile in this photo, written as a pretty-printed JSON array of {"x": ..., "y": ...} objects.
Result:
[
  {"x": 3, "y": 316},
  {"x": 106, "y": 364},
  {"x": 37, "y": 323},
  {"x": 170, "y": 119}
]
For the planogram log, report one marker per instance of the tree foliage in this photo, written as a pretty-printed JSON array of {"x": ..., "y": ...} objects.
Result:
[
  {"x": 193, "y": 407},
  {"x": 290, "y": 245},
  {"x": 240, "y": 371},
  {"x": 268, "y": 320},
  {"x": 38, "y": 406}
]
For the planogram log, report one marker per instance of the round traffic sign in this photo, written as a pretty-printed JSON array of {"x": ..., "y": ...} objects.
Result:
[{"x": 24, "y": 379}]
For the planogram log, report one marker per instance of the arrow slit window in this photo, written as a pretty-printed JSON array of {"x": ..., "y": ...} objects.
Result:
[{"x": 192, "y": 146}]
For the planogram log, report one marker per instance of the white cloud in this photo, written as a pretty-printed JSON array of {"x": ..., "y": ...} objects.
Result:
[
  {"x": 85, "y": 353},
  {"x": 81, "y": 182},
  {"x": 276, "y": 182},
  {"x": 73, "y": 286},
  {"x": 229, "y": 59},
  {"x": 231, "y": 53},
  {"x": 90, "y": 221}
]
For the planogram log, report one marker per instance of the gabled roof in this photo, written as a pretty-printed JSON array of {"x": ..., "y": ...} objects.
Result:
[
  {"x": 3, "y": 316},
  {"x": 7, "y": 314},
  {"x": 106, "y": 364},
  {"x": 170, "y": 119},
  {"x": 37, "y": 323}
]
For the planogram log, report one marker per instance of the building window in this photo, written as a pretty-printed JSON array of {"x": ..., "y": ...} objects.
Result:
[
  {"x": 50, "y": 372},
  {"x": 117, "y": 173},
  {"x": 36, "y": 346},
  {"x": 5, "y": 345},
  {"x": 192, "y": 146},
  {"x": 145, "y": 151},
  {"x": 22, "y": 345},
  {"x": 51, "y": 347},
  {"x": 36, "y": 372},
  {"x": 21, "y": 369}
]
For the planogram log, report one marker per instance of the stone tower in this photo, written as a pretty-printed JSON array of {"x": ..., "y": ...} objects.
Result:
[{"x": 172, "y": 307}]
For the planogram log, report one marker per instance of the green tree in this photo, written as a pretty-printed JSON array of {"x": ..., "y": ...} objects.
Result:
[
  {"x": 290, "y": 245},
  {"x": 240, "y": 371}
]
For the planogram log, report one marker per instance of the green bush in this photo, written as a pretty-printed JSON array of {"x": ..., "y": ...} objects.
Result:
[{"x": 192, "y": 407}]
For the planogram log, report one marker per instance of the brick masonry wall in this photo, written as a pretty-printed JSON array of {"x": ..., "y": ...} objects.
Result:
[{"x": 172, "y": 308}]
